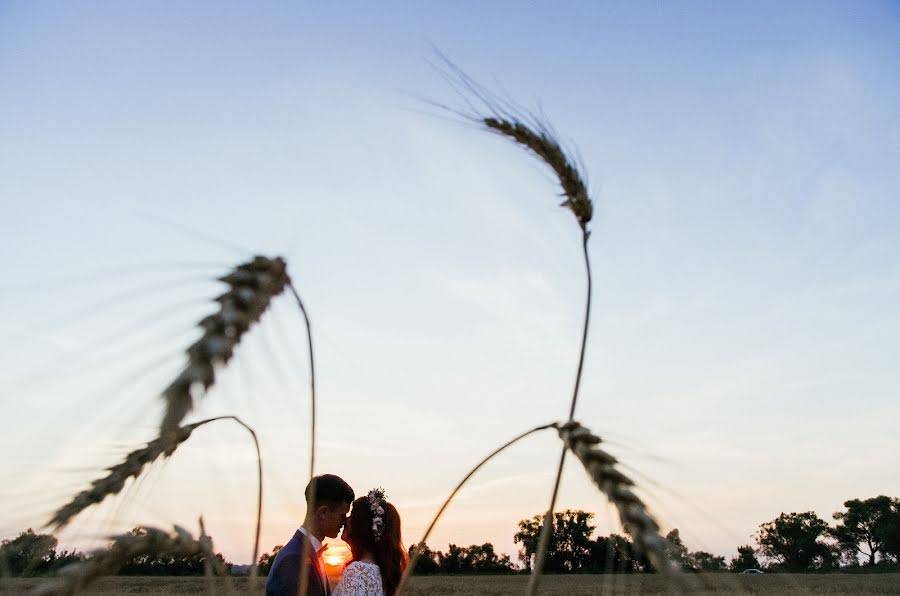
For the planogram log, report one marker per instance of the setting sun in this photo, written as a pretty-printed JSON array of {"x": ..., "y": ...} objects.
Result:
[{"x": 336, "y": 555}]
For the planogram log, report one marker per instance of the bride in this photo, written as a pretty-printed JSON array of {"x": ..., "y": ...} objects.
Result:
[{"x": 379, "y": 559}]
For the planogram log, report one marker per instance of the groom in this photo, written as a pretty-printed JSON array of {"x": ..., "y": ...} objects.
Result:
[{"x": 324, "y": 517}]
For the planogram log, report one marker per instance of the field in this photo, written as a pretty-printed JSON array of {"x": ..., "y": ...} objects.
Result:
[{"x": 582, "y": 585}]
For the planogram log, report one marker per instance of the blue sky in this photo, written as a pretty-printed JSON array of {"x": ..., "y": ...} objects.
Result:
[{"x": 742, "y": 159}]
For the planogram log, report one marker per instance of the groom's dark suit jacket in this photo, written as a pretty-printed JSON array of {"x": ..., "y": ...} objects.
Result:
[{"x": 284, "y": 577}]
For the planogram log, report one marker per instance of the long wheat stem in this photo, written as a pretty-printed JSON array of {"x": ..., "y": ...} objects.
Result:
[
  {"x": 419, "y": 546},
  {"x": 312, "y": 381},
  {"x": 311, "y": 498},
  {"x": 587, "y": 320},
  {"x": 547, "y": 529},
  {"x": 259, "y": 502}
]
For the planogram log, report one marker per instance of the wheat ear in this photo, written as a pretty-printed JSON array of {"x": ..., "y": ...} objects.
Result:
[
  {"x": 636, "y": 521},
  {"x": 415, "y": 556},
  {"x": 153, "y": 541},
  {"x": 542, "y": 144},
  {"x": 251, "y": 288}
]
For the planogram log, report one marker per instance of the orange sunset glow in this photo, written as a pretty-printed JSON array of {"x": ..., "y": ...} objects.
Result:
[{"x": 336, "y": 554}]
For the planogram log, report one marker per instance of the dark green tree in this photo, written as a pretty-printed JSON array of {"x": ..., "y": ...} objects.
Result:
[
  {"x": 892, "y": 535},
  {"x": 707, "y": 562},
  {"x": 795, "y": 542},
  {"x": 156, "y": 564},
  {"x": 616, "y": 554},
  {"x": 264, "y": 565},
  {"x": 745, "y": 559},
  {"x": 28, "y": 553},
  {"x": 570, "y": 541},
  {"x": 483, "y": 559},
  {"x": 678, "y": 551},
  {"x": 453, "y": 561},
  {"x": 862, "y": 526},
  {"x": 63, "y": 558},
  {"x": 477, "y": 558},
  {"x": 428, "y": 560}
]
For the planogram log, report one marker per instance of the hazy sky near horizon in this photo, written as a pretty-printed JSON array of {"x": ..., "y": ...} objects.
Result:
[{"x": 743, "y": 159}]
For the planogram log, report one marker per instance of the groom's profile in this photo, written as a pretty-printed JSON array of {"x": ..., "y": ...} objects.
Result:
[{"x": 328, "y": 500}]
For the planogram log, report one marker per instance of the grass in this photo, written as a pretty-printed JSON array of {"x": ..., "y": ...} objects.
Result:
[{"x": 578, "y": 585}]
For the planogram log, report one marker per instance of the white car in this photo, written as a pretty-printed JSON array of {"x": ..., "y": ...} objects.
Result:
[{"x": 751, "y": 571}]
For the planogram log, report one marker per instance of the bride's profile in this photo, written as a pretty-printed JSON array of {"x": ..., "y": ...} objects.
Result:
[{"x": 378, "y": 557}]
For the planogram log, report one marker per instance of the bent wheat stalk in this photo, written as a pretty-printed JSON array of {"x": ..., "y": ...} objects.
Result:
[
  {"x": 415, "y": 556},
  {"x": 636, "y": 521},
  {"x": 152, "y": 541},
  {"x": 311, "y": 498},
  {"x": 252, "y": 286},
  {"x": 135, "y": 462}
]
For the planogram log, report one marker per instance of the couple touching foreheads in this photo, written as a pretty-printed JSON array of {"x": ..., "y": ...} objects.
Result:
[{"x": 372, "y": 530}]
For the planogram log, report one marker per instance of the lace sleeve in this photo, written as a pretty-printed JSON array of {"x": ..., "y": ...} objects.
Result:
[{"x": 359, "y": 579}]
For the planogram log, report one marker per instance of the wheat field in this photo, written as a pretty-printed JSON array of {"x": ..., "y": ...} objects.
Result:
[{"x": 553, "y": 585}]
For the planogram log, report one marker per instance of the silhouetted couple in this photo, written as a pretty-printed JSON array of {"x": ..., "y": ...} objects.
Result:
[{"x": 372, "y": 530}]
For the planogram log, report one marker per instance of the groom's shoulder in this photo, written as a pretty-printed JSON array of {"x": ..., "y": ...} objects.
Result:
[
  {"x": 293, "y": 546},
  {"x": 285, "y": 564}
]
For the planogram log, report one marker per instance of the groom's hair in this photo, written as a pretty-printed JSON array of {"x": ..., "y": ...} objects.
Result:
[{"x": 330, "y": 489}]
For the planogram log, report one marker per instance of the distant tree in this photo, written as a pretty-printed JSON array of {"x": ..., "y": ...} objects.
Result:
[
  {"x": 692, "y": 561},
  {"x": 452, "y": 561},
  {"x": 795, "y": 542},
  {"x": 706, "y": 562},
  {"x": 427, "y": 562},
  {"x": 745, "y": 559},
  {"x": 28, "y": 553},
  {"x": 616, "y": 554},
  {"x": 477, "y": 558},
  {"x": 264, "y": 565},
  {"x": 570, "y": 543},
  {"x": 64, "y": 558},
  {"x": 892, "y": 535},
  {"x": 483, "y": 559},
  {"x": 157, "y": 564},
  {"x": 862, "y": 527},
  {"x": 677, "y": 550}
]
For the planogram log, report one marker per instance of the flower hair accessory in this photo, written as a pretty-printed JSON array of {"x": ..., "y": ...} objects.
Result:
[{"x": 376, "y": 499}]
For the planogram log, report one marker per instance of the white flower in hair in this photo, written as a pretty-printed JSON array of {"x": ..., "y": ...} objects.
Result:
[{"x": 376, "y": 499}]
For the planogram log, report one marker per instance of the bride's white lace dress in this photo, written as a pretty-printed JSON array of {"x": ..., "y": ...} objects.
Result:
[{"x": 360, "y": 579}]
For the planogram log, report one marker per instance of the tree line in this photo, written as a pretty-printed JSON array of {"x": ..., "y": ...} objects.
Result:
[
  {"x": 31, "y": 554},
  {"x": 866, "y": 535}
]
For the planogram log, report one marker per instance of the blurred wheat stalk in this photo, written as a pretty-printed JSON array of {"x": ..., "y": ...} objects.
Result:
[
  {"x": 152, "y": 541},
  {"x": 251, "y": 288}
]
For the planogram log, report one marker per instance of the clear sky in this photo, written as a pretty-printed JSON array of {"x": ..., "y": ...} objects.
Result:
[{"x": 743, "y": 159}]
